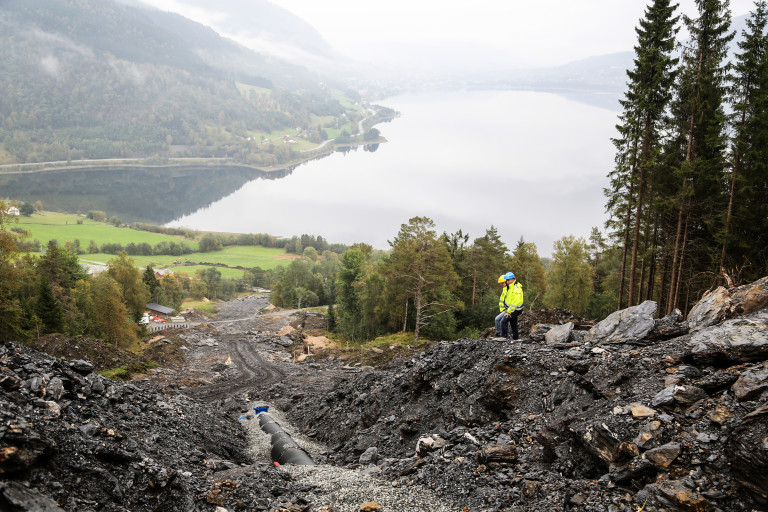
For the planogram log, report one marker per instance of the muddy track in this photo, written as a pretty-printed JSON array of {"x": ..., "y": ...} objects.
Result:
[{"x": 250, "y": 370}]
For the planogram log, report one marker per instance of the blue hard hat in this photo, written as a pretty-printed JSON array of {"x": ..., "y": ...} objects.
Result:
[{"x": 509, "y": 275}]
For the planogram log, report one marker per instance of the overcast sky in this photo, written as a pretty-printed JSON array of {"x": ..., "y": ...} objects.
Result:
[{"x": 543, "y": 32}]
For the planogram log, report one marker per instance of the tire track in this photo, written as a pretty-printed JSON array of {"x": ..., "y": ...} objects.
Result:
[{"x": 252, "y": 370}]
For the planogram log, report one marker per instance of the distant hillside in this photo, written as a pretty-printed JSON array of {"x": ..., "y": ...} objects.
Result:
[
  {"x": 262, "y": 23},
  {"x": 100, "y": 79}
]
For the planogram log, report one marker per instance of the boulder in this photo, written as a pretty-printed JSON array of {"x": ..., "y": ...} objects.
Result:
[
  {"x": 559, "y": 334},
  {"x": 369, "y": 456},
  {"x": 683, "y": 395},
  {"x": 739, "y": 340},
  {"x": 539, "y": 331},
  {"x": 640, "y": 411},
  {"x": 671, "y": 326},
  {"x": 750, "y": 297},
  {"x": 710, "y": 310},
  {"x": 721, "y": 304},
  {"x": 625, "y": 326},
  {"x": 664, "y": 455},
  {"x": 751, "y": 383}
]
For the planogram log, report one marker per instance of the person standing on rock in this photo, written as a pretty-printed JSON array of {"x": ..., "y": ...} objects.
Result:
[
  {"x": 510, "y": 306},
  {"x": 501, "y": 320}
]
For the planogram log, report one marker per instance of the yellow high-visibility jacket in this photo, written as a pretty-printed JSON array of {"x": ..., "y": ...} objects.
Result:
[{"x": 511, "y": 298}]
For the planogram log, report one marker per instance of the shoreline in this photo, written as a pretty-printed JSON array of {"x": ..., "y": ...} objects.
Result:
[{"x": 175, "y": 163}]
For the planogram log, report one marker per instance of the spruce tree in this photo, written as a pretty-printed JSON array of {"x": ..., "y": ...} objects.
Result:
[
  {"x": 48, "y": 309},
  {"x": 643, "y": 123},
  {"x": 696, "y": 155},
  {"x": 744, "y": 238}
]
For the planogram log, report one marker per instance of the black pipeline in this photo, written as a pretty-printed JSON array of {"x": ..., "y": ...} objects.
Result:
[{"x": 284, "y": 448}]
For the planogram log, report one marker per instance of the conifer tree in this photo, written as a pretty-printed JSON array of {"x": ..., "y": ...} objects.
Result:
[
  {"x": 48, "y": 309},
  {"x": 744, "y": 238},
  {"x": 697, "y": 152},
  {"x": 643, "y": 122},
  {"x": 421, "y": 269}
]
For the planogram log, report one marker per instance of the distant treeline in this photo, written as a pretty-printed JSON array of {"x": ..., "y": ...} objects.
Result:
[{"x": 210, "y": 241}]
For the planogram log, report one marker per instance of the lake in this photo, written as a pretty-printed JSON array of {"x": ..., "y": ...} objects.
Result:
[{"x": 531, "y": 164}]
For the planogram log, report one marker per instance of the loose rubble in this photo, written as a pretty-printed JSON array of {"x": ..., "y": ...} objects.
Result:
[{"x": 635, "y": 413}]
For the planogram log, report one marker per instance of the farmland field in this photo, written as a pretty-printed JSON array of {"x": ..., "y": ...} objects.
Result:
[
  {"x": 64, "y": 227},
  {"x": 67, "y": 227}
]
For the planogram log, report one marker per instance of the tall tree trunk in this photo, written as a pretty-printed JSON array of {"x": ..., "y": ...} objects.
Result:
[
  {"x": 680, "y": 265},
  {"x": 675, "y": 252},
  {"x": 474, "y": 285},
  {"x": 639, "y": 206},
  {"x": 652, "y": 269},
  {"x": 734, "y": 177},
  {"x": 418, "y": 298},
  {"x": 689, "y": 150},
  {"x": 663, "y": 286},
  {"x": 627, "y": 225},
  {"x": 405, "y": 319}
]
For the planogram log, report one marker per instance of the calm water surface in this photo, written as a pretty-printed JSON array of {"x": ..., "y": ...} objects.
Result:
[{"x": 531, "y": 164}]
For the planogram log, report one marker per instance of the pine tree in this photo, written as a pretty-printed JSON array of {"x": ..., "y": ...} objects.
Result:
[{"x": 421, "y": 269}]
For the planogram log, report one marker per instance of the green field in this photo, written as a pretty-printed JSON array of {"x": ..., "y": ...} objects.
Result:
[{"x": 64, "y": 227}]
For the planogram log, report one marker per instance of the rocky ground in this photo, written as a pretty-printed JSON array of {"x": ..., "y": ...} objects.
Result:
[{"x": 629, "y": 414}]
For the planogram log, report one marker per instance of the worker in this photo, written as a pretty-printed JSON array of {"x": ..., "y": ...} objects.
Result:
[
  {"x": 510, "y": 305},
  {"x": 501, "y": 323}
]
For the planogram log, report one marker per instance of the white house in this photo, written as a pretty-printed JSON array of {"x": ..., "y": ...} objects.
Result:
[{"x": 12, "y": 211}]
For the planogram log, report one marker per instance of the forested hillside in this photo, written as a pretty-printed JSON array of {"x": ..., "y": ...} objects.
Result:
[{"x": 97, "y": 79}]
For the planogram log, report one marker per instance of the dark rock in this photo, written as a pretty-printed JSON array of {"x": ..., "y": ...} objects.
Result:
[
  {"x": 664, "y": 455},
  {"x": 497, "y": 453},
  {"x": 16, "y": 497},
  {"x": 539, "y": 331},
  {"x": 81, "y": 366},
  {"x": 751, "y": 383}
]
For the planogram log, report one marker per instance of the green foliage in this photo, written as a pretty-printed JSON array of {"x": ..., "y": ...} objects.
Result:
[
  {"x": 134, "y": 292},
  {"x": 331, "y": 318},
  {"x": 420, "y": 269},
  {"x": 48, "y": 309},
  {"x": 209, "y": 243},
  {"x": 27, "y": 209},
  {"x": 569, "y": 278},
  {"x": 212, "y": 279},
  {"x": 529, "y": 271}
]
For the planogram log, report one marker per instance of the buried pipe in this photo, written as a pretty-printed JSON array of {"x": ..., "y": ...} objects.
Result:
[{"x": 284, "y": 448}]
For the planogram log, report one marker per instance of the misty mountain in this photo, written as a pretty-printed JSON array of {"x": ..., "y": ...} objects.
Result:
[
  {"x": 262, "y": 25},
  {"x": 101, "y": 79}
]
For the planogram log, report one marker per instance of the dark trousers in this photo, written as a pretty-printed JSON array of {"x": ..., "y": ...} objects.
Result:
[{"x": 512, "y": 325}]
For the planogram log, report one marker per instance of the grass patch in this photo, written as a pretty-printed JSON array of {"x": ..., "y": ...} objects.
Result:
[
  {"x": 211, "y": 307},
  {"x": 252, "y": 90},
  {"x": 126, "y": 372},
  {"x": 70, "y": 227},
  {"x": 247, "y": 256}
]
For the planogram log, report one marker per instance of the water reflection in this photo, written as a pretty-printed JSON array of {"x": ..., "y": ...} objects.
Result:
[{"x": 155, "y": 195}]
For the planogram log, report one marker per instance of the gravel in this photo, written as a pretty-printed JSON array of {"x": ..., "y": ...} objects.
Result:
[{"x": 344, "y": 489}]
